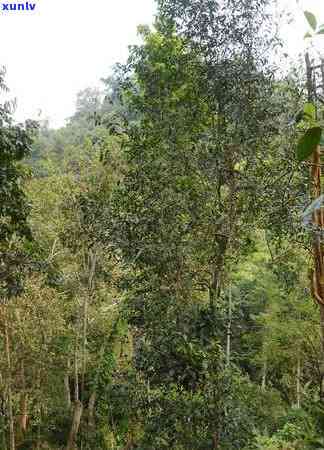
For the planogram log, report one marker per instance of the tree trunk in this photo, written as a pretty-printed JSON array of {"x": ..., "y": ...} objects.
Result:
[
  {"x": 298, "y": 386},
  {"x": 77, "y": 413},
  {"x": 92, "y": 262},
  {"x": 215, "y": 287},
  {"x": 91, "y": 407},
  {"x": 23, "y": 413},
  {"x": 229, "y": 327},
  {"x": 67, "y": 387},
  {"x": 84, "y": 345},
  {"x": 39, "y": 411},
  {"x": 215, "y": 441},
  {"x": 9, "y": 383},
  {"x": 264, "y": 375},
  {"x": 23, "y": 402},
  {"x": 76, "y": 370}
]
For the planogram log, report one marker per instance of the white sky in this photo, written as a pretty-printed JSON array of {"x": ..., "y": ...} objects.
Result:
[
  {"x": 293, "y": 33},
  {"x": 68, "y": 45},
  {"x": 65, "y": 46}
]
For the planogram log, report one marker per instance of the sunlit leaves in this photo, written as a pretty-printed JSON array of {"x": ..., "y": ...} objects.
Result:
[
  {"x": 308, "y": 143},
  {"x": 308, "y": 113},
  {"x": 311, "y": 19},
  {"x": 312, "y": 22},
  {"x": 312, "y": 138}
]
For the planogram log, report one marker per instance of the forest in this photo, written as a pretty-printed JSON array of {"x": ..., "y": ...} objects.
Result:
[{"x": 162, "y": 255}]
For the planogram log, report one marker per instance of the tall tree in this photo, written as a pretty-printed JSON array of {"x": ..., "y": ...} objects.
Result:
[
  {"x": 202, "y": 93},
  {"x": 15, "y": 144}
]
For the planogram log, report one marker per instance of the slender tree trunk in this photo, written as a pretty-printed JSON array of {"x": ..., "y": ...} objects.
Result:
[
  {"x": 215, "y": 441},
  {"x": 76, "y": 369},
  {"x": 9, "y": 384},
  {"x": 39, "y": 411},
  {"x": 77, "y": 410},
  {"x": 23, "y": 412},
  {"x": 91, "y": 407},
  {"x": 67, "y": 387},
  {"x": 4, "y": 441},
  {"x": 298, "y": 384},
  {"x": 92, "y": 261},
  {"x": 91, "y": 267},
  {"x": 93, "y": 396},
  {"x": 38, "y": 443},
  {"x": 84, "y": 344},
  {"x": 224, "y": 235},
  {"x": 229, "y": 327},
  {"x": 23, "y": 401},
  {"x": 264, "y": 375},
  {"x": 215, "y": 288},
  {"x": 76, "y": 419},
  {"x": 2, "y": 416}
]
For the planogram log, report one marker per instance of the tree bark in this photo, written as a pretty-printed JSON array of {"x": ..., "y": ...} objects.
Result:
[
  {"x": 67, "y": 387},
  {"x": 39, "y": 411},
  {"x": 264, "y": 375},
  {"x": 23, "y": 402},
  {"x": 76, "y": 370},
  {"x": 229, "y": 327},
  {"x": 298, "y": 385},
  {"x": 215, "y": 288},
  {"x": 91, "y": 408},
  {"x": 9, "y": 384},
  {"x": 76, "y": 419},
  {"x": 92, "y": 262},
  {"x": 215, "y": 441}
]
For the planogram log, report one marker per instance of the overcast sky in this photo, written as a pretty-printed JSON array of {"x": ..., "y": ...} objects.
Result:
[{"x": 67, "y": 45}]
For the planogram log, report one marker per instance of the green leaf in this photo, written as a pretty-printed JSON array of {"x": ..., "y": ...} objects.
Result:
[
  {"x": 310, "y": 110},
  {"x": 308, "y": 113},
  {"x": 308, "y": 143},
  {"x": 311, "y": 19},
  {"x": 320, "y": 30},
  {"x": 308, "y": 35}
]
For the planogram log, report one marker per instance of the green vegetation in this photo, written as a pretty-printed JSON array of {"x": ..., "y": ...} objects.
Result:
[{"x": 154, "y": 268}]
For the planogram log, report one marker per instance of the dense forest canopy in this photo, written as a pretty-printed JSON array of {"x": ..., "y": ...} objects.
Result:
[{"x": 157, "y": 278}]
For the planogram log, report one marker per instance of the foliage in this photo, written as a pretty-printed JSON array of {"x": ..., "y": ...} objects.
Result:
[{"x": 162, "y": 300}]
